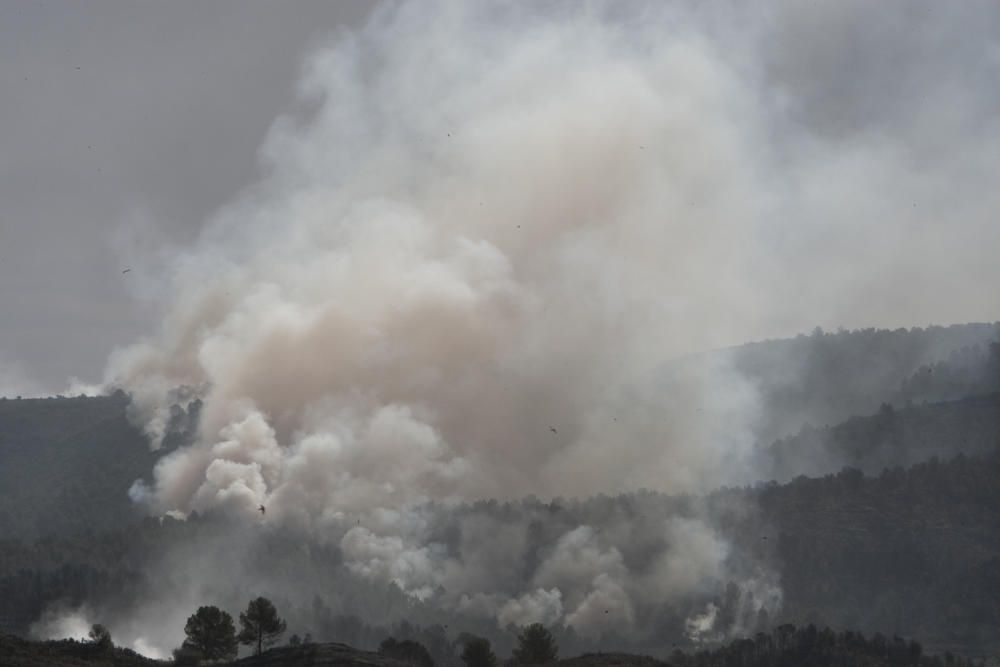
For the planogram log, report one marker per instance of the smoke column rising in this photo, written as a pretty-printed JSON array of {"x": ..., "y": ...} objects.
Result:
[
  {"x": 460, "y": 265},
  {"x": 482, "y": 230}
]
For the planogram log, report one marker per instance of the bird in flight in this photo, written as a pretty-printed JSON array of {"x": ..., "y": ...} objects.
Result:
[
  {"x": 126, "y": 270},
  {"x": 261, "y": 509},
  {"x": 553, "y": 429}
]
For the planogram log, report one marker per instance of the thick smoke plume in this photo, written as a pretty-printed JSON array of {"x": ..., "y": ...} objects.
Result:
[{"x": 482, "y": 231}]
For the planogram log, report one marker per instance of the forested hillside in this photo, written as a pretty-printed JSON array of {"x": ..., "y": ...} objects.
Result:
[
  {"x": 17, "y": 652},
  {"x": 891, "y": 437},
  {"x": 899, "y": 543},
  {"x": 824, "y": 378},
  {"x": 809, "y": 646},
  {"x": 785, "y": 646},
  {"x": 914, "y": 551},
  {"x": 66, "y": 465}
]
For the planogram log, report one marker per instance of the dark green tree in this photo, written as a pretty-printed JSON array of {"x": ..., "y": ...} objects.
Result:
[
  {"x": 408, "y": 650},
  {"x": 186, "y": 656},
  {"x": 535, "y": 646},
  {"x": 101, "y": 636},
  {"x": 478, "y": 653},
  {"x": 260, "y": 625},
  {"x": 211, "y": 633}
]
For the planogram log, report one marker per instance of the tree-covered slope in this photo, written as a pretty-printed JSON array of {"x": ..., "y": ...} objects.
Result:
[
  {"x": 66, "y": 464},
  {"x": 891, "y": 437},
  {"x": 18, "y": 652},
  {"x": 824, "y": 378},
  {"x": 809, "y": 646},
  {"x": 911, "y": 551},
  {"x": 914, "y": 550}
]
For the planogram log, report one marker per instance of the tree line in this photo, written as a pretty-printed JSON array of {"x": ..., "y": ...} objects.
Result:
[
  {"x": 211, "y": 634},
  {"x": 808, "y": 646},
  {"x": 212, "y": 637}
]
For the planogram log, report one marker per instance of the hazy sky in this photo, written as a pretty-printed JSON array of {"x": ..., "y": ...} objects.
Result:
[
  {"x": 124, "y": 125},
  {"x": 439, "y": 258}
]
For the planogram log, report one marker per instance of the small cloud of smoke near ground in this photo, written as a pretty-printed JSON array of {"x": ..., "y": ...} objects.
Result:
[
  {"x": 605, "y": 567},
  {"x": 467, "y": 264},
  {"x": 62, "y": 623}
]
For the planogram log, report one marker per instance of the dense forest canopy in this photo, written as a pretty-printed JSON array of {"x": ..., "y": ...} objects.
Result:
[{"x": 882, "y": 523}]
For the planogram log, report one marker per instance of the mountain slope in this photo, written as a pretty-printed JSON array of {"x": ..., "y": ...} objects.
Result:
[
  {"x": 892, "y": 437},
  {"x": 66, "y": 464},
  {"x": 825, "y": 378},
  {"x": 912, "y": 551}
]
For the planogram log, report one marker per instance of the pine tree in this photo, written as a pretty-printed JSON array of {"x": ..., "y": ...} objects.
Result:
[
  {"x": 211, "y": 633},
  {"x": 100, "y": 636},
  {"x": 536, "y": 646},
  {"x": 260, "y": 625},
  {"x": 478, "y": 653},
  {"x": 408, "y": 650}
]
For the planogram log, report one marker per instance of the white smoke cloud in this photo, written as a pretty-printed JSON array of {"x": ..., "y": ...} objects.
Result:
[
  {"x": 444, "y": 290},
  {"x": 540, "y": 606},
  {"x": 388, "y": 559},
  {"x": 453, "y": 289},
  {"x": 479, "y": 604},
  {"x": 579, "y": 556},
  {"x": 607, "y": 607},
  {"x": 694, "y": 560},
  {"x": 142, "y": 646},
  {"x": 701, "y": 626},
  {"x": 481, "y": 234},
  {"x": 62, "y": 623}
]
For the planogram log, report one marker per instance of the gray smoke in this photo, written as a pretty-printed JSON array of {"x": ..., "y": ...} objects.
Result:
[
  {"x": 15, "y": 380},
  {"x": 483, "y": 231}
]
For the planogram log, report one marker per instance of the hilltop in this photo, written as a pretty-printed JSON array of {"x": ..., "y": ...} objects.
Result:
[
  {"x": 17, "y": 652},
  {"x": 786, "y": 646},
  {"x": 318, "y": 655}
]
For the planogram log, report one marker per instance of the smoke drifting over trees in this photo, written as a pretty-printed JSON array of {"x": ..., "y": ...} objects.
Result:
[
  {"x": 464, "y": 262},
  {"x": 488, "y": 240}
]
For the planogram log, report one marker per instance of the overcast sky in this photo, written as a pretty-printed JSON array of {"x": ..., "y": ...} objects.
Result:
[{"x": 125, "y": 125}]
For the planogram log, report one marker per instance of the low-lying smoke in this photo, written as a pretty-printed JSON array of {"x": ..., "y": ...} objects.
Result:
[
  {"x": 627, "y": 569},
  {"x": 481, "y": 232}
]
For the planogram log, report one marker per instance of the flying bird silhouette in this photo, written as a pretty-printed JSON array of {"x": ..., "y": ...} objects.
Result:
[
  {"x": 126, "y": 270},
  {"x": 553, "y": 430},
  {"x": 262, "y": 509}
]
